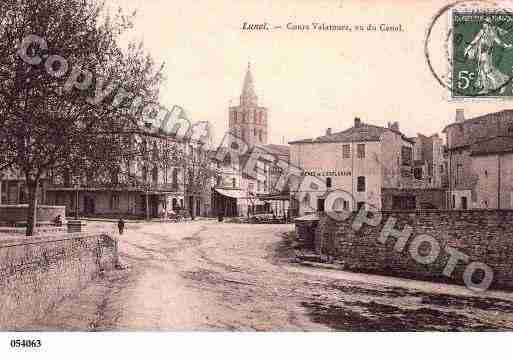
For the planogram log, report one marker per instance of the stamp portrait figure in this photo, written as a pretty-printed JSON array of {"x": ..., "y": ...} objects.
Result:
[{"x": 489, "y": 77}]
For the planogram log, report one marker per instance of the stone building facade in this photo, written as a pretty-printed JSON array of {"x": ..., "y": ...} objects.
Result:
[
  {"x": 146, "y": 187},
  {"x": 479, "y": 161},
  {"x": 366, "y": 162}
]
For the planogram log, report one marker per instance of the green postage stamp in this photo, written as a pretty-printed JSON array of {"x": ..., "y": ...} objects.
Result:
[{"x": 482, "y": 54}]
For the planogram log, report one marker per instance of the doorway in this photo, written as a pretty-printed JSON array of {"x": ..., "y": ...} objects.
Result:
[{"x": 89, "y": 205}]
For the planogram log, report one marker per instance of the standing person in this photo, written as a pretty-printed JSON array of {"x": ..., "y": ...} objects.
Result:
[
  {"x": 121, "y": 226},
  {"x": 481, "y": 49}
]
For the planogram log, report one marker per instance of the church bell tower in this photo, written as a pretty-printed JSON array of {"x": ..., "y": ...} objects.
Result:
[{"x": 248, "y": 121}]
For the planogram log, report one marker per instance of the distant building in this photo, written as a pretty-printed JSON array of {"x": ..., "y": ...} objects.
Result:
[
  {"x": 13, "y": 189},
  {"x": 480, "y": 161},
  {"x": 146, "y": 187},
  {"x": 374, "y": 165},
  {"x": 248, "y": 120},
  {"x": 428, "y": 160},
  {"x": 237, "y": 193}
]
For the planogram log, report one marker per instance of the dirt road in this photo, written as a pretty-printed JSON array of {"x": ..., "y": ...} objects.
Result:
[{"x": 206, "y": 275}]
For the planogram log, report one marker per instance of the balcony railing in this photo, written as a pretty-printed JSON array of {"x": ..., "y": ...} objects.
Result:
[{"x": 162, "y": 187}]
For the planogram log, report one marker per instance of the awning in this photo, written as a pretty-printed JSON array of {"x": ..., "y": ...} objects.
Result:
[{"x": 233, "y": 193}]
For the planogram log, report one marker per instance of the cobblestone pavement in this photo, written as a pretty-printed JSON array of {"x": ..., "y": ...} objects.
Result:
[{"x": 205, "y": 275}]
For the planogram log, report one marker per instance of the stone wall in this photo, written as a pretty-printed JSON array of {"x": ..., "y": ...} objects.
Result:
[
  {"x": 11, "y": 214},
  {"x": 38, "y": 272},
  {"x": 435, "y": 198},
  {"x": 483, "y": 235}
]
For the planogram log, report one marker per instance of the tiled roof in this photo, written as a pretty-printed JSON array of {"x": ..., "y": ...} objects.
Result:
[
  {"x": 362, "y": 133},
  {"x": 279, "y": 150},
  {"x": 501, "y": 144}
]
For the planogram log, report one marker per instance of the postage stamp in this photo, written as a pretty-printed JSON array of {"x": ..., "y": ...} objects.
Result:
[{"x": 482, "y": 54}]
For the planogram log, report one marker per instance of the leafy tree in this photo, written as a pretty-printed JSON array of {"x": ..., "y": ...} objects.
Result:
[{"x": 74, "y": 112}]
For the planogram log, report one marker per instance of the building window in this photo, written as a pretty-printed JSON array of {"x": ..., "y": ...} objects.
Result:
[
  {"x": 417, "y": 173},
  {"x": 254, "y": 132},
  {"x": 464, "y": 203},
  {"x": 360, "y": 205},
  {"x": 360, "y": 185},
  {"x": 114, "y": 176},
  {"x": 234, "y": 183},
  {"x": 486, "y": 173},
  {"x": 360, "y": 150},
  {"x": 144, "y": 148},
  {"x": 320, "y": 204},
  {"x": 406, "y": 155},
  {"x": 145, "y": 174},
  {"x": 306, "y": 199},
  {"x": 328, "y": 182},
  {"x": 260, "y": 135},
  {"x": 459, "y": 173},
  {"x": 175, "y": 177},
  {"x": 155, "y": 153},
  {"x": 346, "y": 151},
  {"x": 114, "y": 201},
  {"x": 155, "y": 175}
]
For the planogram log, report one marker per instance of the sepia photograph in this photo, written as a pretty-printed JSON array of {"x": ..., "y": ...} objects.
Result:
[{"x": 184, "y": 171}]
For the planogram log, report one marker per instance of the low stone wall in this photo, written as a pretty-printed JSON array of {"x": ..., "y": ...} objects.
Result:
[
  {"x": 37, "y": 272},
  {"x": 12, "y": 214},
  {"x": 384, "y": 246},
  {"x": 41, "y": 230},
  {"x": 425, "y": 198}
]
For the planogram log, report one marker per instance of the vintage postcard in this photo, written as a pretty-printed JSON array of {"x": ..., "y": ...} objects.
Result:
[{"x": 247, "y": 166}]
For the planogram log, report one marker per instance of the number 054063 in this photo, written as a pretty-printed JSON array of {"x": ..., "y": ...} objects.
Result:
[{"x": 26, "y": 343}]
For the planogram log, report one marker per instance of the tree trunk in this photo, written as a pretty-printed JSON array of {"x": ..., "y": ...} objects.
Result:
[{"x": 32, "y": 206}]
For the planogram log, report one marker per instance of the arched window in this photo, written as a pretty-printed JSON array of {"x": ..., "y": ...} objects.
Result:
[{"x": 175, "y": 203}]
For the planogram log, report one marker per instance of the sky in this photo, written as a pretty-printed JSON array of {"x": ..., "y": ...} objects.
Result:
[{"x": 308, "y": 80}]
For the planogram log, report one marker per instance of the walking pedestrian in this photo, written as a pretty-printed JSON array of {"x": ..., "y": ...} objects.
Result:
[{"x": 121, "y": 226}]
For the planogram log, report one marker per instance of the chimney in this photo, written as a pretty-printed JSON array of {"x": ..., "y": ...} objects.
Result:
[
  {"x": 395, "y": 126},
  {"x": 460, "y": 115},
  {"x": 328, "y": 131},
  {"x": 357, "y": 122}
]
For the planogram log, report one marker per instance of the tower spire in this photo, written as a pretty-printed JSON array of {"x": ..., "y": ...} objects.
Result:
[{"x": 248, "y": 96}]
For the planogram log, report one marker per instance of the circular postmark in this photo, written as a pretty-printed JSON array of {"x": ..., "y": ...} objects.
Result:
[{"x": 477, "y": 48}]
